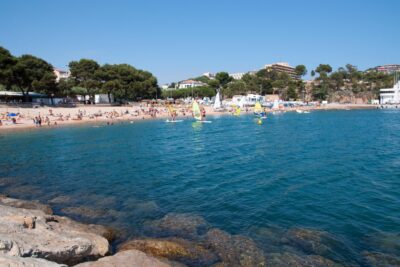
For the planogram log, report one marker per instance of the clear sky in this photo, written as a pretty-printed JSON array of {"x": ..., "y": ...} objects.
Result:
[{"x": 179, "y": 39}]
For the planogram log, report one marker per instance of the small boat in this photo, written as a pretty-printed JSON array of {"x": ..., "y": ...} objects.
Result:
[{"x": 299, "y": 111}]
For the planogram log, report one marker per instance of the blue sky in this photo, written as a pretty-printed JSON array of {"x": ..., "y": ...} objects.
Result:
[{"x": 179, "y": 39}]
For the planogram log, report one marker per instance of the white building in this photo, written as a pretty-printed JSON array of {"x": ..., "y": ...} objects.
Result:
[
  {"x": 391, "y": 95},
  {"x": 209, "y": 75},
  {"x": 190, "y": 84},
  {"x": 237, "y": 76},
  {"x": 61, "y": 74}
]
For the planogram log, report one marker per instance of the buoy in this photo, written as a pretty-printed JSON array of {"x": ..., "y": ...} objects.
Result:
[{"x": 259, "y": 121}]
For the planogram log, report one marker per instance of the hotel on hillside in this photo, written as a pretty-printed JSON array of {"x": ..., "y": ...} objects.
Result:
[{"x": 283, "y": 67}]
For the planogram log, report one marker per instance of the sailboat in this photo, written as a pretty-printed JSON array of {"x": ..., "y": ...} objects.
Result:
[
  {"x": 217, "y": 104},
  {"x": 275, "y": 107},
  {"x": 196, "y": 110},
  {"x": 172, "y": 113},
  {"x": 258, "y": 110},
  {"x": 237, "y": 111}
]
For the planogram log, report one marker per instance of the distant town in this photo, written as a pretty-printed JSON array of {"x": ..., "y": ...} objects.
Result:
[{"x": 88, "y": 82}]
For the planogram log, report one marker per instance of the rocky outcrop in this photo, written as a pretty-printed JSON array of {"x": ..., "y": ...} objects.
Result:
[
  {"x": 25, "y": 204},
  {"x": 179, "y": 225},
  {"x": 127, "y": 258},
  {"x": 11, "y": 261},
  {"x": 33, "y": 233},
  {"x": 234, "y": 250},
  {"x": 175, "y": 249}
]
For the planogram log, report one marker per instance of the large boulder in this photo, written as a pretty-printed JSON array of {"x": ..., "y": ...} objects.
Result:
[
  {"x": 175, "y": 249},
  {"x": 187, "y": 226},
  {"x": 33, "y": 233},
  {"x": 11, "y": 261},
  {"x": 25, "y": 204},
  {"x": 234, "y": 250},
  {"x": 128, "y": 258}
]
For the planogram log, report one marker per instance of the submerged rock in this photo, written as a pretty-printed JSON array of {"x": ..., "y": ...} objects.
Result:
[
  {"x": 385, "y": 242},
  {"x": 293, "y": 260},
  {"x": 127, "y": 258},
  {"x": 24, "y": 190},
  {"x": 7, "y": 181},
  {"x": 147, "y": 209},
  {"x": 25, "y": 204},
  {"x": 234, "y": 250},
  {"x": 317, "y": 243},
  {"x": 175, "y": 249},
  {"x": 179, "y": 225},
  {"x": 11, "y": 261},
  {"x": 60, "y": 200},
  {"x": 380, "y": 259},
  {"x": 84, "y": 211},
  {"x": 49, "y": 237}
]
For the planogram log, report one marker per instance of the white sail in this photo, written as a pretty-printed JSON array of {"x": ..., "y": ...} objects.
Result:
[
  {"x": 275, "y": 105},
  {"x": 217, "y": 103}
]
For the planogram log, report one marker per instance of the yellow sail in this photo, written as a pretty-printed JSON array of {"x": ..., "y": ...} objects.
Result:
[
  {"x": 196, "y": 110},
  {"x": 237, "y": 112},
  {"x": 171, "y": 110},
  {"x": 258, "y": 108}
]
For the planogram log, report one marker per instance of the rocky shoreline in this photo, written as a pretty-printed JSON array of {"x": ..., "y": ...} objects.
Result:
[{"x": 31, "y": 235}]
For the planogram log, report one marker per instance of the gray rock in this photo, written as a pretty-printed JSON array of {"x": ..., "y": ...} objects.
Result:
[
  {"x": 234, "y": 250},
  {"x": 128, "y": 258},
  {"x": 52, "y": 237},
  {"x": 11, "y": 261}
]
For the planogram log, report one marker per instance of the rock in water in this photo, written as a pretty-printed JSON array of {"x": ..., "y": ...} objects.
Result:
[
  {"x": 10, "y": 261},
  {"x": 234, "y": 250},
  {"x": 317, "y": 242},
  {"x": 179, "y": 225},
  {"x": 175, "y": 249},
  {"x": 293, "y": 260},
  {"x": 25, "y": 204},
  {"x": 126, "y": 258},
  {"x": 381, "y": 259},
  {"x": 53, "y": 238}
]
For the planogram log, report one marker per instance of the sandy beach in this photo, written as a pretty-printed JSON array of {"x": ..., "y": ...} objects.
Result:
[{"x": 24, "y": 118}]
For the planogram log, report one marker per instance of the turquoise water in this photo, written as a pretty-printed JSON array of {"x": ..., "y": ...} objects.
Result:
[{"x": 331, "y": 171}]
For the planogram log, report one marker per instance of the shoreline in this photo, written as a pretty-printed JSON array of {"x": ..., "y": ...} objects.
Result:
[{"x": 26, "y": 120}]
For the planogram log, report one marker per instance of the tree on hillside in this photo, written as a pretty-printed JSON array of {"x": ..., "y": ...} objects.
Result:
[
  {"x": 301, "y": 70},
  {"x": 223, "y": 78},
  {"x": 323, "y": 69}
]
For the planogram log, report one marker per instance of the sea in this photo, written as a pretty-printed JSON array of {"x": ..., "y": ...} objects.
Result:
[{"x": 325, "y": 183}]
